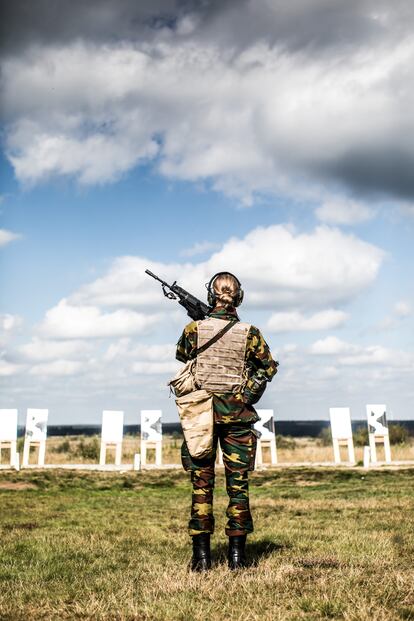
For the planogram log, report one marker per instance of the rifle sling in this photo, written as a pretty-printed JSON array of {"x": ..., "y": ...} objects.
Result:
[{"x": 216, "y": 337}]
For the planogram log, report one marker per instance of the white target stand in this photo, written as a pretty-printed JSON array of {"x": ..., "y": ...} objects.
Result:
[
  {"x": 341, "y": 433},
  {"x": 35, "y": 435},
  {"x": 151, "y": 435},
  {"x": 112, "y": 434},
  {"x": 266, "y": 428},
  {"x": 8, "y": 435},
  {"x": 378, "y": 432}
]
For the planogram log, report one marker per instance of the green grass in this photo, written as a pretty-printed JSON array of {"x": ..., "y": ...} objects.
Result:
[{"x": 329, "y": 544}]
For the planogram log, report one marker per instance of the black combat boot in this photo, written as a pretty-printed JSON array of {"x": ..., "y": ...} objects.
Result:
[
  {"x": 237, "y": 553},
  {"x": 201, "y": 560}
]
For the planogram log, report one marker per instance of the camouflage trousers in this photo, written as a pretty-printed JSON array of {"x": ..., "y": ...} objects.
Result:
[{"x": 238, "y": 443}]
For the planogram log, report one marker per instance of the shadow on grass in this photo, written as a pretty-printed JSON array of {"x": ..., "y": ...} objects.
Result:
[{"x": 255, "y": 551}]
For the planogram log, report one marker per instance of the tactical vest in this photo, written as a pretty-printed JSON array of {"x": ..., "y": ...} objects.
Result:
[{"x": 221, "y": 367}]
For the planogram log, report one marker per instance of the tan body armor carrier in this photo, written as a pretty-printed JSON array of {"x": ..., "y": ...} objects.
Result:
[{"x": 221, "y": 367}]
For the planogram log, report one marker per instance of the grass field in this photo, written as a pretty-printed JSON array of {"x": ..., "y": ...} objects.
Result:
[{"x": 329, "y": 544}]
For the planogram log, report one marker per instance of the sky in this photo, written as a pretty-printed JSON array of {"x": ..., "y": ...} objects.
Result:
[{"x": 270, "y": 139}]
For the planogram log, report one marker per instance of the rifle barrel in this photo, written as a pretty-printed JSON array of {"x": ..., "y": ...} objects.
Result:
[{"x": 157, "y": 278}]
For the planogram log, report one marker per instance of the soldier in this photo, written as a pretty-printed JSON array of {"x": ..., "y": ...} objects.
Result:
[{"x": 239, "y": 355}]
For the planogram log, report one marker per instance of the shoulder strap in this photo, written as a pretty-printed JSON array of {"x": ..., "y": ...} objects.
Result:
[{"x": 216, "y": 337}]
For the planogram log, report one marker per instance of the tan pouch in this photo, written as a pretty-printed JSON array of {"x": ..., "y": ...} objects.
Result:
[
  {"x": 184, "y": 382},
  {"x": 196, "y": 414}
]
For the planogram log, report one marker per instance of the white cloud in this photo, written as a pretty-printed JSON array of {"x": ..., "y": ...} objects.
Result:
[
  {"x": 67, "y": 321},
  {"x": 125, "y": 348},
  {"x": 349, "y": 354},
  {"x": 277, "y": 267},
  {"x": 57, "y": 368},
  {"x": 287, "y": 269},
  {"x": 9, "y": 325},
  {"x": 94, "y": 159},
  {"x": 403, "y": 309},
  {"x": 295, "y": 321},
  {"x": 289, "y": 348},
  {"x": 387, "y": 323},
  {"x": 9, "y": 368},
  {"x": 118, "y": 349},
  {"x": 378, "y": 355},
  {"x": 266, "y": 119},
  {"x": 155, "y": 368},
  {"x": 8, "y": 236},
  {"x": 199, "y": 248},
  {"x": 156, "y": 353},
  {"x": 40, "y": 349},
  {"x": 328, "y": 373},
  {"x": 407, "y": 209},
  {"x": 330, "y": 345},
  {"x": 343, "y": 211}
]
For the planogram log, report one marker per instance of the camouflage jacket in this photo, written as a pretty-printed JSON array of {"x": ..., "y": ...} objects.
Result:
[{"x": 229, "y": 407}]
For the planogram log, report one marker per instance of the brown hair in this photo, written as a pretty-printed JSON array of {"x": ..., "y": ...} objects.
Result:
[{"x": 225, "y": 289}]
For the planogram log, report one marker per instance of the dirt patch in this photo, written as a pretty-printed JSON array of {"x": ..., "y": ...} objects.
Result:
[
  {"x": 16, "y": 485},
  {"x": 307, "y": 483}
]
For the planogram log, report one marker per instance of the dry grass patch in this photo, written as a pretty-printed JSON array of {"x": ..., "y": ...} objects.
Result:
[{"x": 85, "y": 450}]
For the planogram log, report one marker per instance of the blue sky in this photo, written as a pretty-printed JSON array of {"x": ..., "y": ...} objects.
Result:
[{"x": 270, "y": 149}]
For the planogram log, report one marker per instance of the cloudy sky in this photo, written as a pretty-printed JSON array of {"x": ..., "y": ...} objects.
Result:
[{"x": 268, "y": 138}]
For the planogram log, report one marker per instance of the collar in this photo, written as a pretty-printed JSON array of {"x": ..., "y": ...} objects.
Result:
[{"x": 227, "y": 314}]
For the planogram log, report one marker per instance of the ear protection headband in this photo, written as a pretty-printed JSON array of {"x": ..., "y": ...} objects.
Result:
[{"x": 211, "y": 296}]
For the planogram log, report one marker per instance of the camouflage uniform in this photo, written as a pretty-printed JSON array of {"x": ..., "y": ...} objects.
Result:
[{"x": 233, "y": 422}]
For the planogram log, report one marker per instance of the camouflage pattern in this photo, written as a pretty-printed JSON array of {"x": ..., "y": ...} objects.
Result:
[
  {"x": 238, "y": 443},
  {"x": 233, "y": 428},
  {"x": 229, "y": 407}
]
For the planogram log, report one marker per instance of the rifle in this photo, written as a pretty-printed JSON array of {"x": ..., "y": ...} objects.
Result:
[{"x": 196, "y": 309}]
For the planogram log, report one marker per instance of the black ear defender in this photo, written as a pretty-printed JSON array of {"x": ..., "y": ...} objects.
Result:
[{"x": 211, "y": 296}]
